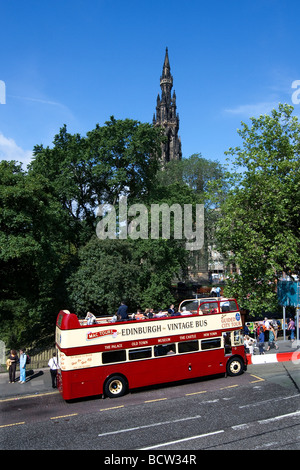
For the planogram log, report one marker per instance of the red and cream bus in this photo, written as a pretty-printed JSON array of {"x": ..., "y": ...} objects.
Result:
[{"x": 109, "y": 358}]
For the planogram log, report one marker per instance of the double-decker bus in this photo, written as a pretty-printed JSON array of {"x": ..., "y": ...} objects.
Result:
[{"x": 109, "y": 358}]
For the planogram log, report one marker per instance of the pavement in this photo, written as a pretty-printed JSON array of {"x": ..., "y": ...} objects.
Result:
[
  {"x": 39, "y": 381},
  {"x": 287, "y": 351}
]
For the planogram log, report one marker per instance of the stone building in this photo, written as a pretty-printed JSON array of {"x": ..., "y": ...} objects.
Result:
[{"x": 166, "y": 115}]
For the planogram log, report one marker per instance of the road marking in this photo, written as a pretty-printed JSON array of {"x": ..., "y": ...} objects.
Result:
[
  {"x": 229, "y": 386},
  {"x": 273, "y": 400},
  {"x": 28, "y": 396},
  {"x": 259, "y": 379},
  {"x": 13, "y": 424},
  {"x": 264, "y": 421},
  {"x": 183, "y": 440},
  {"x": 64, "y": 416},
  {"x": 268, "y": 444},
  {"x": 195, "y": 393},
  {"x": 112, "y": 408},
  {"x": 239, "y": 427},
  {"x": 157, "y": 399},
  {"x": 137, "y": 428},
  {"x": 275, "y": 418}
]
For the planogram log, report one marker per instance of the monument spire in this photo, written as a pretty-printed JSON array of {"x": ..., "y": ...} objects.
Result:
[{"x": 166, "y": 114}]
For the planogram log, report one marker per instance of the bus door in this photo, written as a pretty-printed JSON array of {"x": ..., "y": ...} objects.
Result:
[{"x": 231, "y": 340}]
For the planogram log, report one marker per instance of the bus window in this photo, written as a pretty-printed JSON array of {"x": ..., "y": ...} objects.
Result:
[
  {"x": 188, "y": 346},
  {"x": 163, "y": 350},
  {"x": 113, "y": 356},
  {"x": 140, "y": 353},
  {"x": 233, "y": 306},
  {"x": 212, "y": 343},
  {"x": 208, "y": 307},
  {"x": 238, "y": 338},
  {"x": 190, "y": 305}
]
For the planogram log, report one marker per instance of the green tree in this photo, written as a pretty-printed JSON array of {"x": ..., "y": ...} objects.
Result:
[
  {"x": 32, "y": 253},
  {"x": 196, "y": 172},
  {"x": 140, "y": 270},
  {"x": 259, "y": 225},
  {"x": 108, "y": 271},
  {"x": 206, "y": 180},
  {"x": 125, "y": 155},
  {"x": 120, "y": 157},
  {"x": 48, "y": 213}
]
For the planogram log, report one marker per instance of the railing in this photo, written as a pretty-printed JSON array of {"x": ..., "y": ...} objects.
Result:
[{"x": 40, "y": 359}]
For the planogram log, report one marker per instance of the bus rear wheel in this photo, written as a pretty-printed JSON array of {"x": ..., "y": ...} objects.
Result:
[
  {"x": 115, "y": 386},
  {"x": 235, "y": 366}
]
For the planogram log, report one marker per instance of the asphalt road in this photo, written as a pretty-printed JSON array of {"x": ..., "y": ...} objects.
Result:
[{"x": 258, "y": 410}]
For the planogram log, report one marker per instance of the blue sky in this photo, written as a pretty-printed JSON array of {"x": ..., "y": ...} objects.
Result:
[{"x": 78, "y": 62}]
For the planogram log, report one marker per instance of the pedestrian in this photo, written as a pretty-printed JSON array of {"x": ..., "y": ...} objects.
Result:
[
  {"x": 257, "y": 330},
  {"x": 246, "y": 330},
  {"x": 249, "y": 344},
  {"x": 12, "y": 365},
  {"x": 275, "y": 328},
  {"x": 23, "y": 359},
  {"x": 53, "y": 369},
  {"x": 266, "y": 326},
  {"x": 261, "y": 341},
  {"x": 272, "y": 342},
  {"x": 291, "y": 327}
]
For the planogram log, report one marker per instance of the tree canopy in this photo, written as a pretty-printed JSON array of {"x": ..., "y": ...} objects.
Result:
[
  {"x": 258, "y": 229},
  {"x": 50, "y": 257},
  {"x": 33, "y": 249}
]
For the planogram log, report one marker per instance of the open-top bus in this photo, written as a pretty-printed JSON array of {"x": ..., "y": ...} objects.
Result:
[{"x": 110, "y": 358}]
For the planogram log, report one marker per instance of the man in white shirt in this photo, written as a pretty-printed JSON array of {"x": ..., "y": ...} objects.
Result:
[{"x": 53, "y": 370}]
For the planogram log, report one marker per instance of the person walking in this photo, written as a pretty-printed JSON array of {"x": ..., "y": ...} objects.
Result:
[
  {"x": 272, "y": 341},
  {"x": 23, "y": 359},
  {"x": 261, "y": 341},
  {"x": 291, "y": 327},
  {"x": 53, "y": 369}
]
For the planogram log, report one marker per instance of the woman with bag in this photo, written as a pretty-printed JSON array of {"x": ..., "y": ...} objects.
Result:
[{"x": 11, "y": 364}]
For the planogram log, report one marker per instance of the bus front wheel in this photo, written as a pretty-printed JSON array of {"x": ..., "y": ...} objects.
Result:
[
  {"x": 235, "y": 366},
  {"x": 115, "y": 386}
]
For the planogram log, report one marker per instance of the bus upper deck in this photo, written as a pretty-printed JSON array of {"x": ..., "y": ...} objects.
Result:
[
  {"x": 200, "y": 306},
  {"x": 208, "y": 318}
]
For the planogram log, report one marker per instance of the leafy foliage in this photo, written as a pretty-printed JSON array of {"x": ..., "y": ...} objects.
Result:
[
  {"x": 48, "y": 250},
  {"x": 259, "y": 226},
  {"x": 32, "y": 248}
]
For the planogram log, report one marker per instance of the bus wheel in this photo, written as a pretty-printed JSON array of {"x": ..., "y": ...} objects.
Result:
[
  {"x": 115, "y": 386},
  {"x": 235, "y": 366}
]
